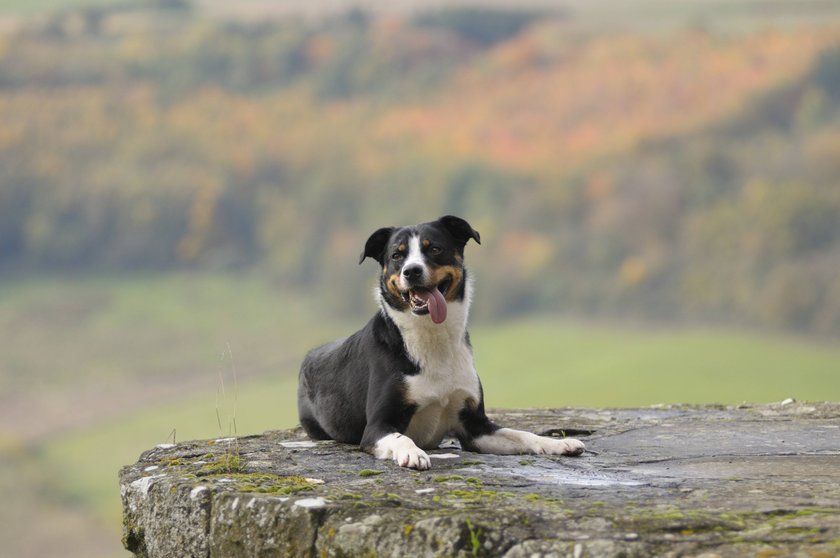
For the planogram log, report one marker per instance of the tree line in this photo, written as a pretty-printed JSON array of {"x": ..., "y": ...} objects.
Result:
[{"x": 692, "y": 175}]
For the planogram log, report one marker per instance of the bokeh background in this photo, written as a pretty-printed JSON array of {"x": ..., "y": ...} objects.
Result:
[{"x": 185, "y": 187}]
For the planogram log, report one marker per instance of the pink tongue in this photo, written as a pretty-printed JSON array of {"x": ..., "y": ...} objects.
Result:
[{"x": 436, "y": 303}]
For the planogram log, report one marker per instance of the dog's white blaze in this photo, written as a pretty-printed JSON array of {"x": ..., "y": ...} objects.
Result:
[
  {"x": 507, "y": 441},
  {"x": 448, "y": 376},
  {"x": 402, "y": 450},
  {"x": 414, "y": 257}
]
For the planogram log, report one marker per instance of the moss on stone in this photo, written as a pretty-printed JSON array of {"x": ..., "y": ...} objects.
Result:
[
  {"x": 350, "y": 496},
  {"x": 447, "y": 478},
  {"x": 264, "y": 483},
  {"x": 224, "y": 463},
  {"x": 369, "y": 473},
  {"x": 476, "y": 495}
]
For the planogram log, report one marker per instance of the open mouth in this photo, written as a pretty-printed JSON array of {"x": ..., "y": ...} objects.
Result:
[{"x": 430, "y": 300}]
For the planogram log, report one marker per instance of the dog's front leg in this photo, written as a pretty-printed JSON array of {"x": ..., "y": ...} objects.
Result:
[{"x": 385, "y": 443}]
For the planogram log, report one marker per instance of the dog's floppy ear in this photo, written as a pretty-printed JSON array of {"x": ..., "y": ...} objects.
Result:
[
  {"x": 375, "y": 245},
  {"x": 460, "y": 230}
]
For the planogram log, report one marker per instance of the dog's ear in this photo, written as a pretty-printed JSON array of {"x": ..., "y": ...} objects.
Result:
[
  {"x": 376, "y": 244},
  {"x": 460, "y": 230}
]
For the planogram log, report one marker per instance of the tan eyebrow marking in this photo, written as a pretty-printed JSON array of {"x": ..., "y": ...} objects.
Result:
[
  {"x": 426, "y": 243},
  {"x": 401, "y": 248}
]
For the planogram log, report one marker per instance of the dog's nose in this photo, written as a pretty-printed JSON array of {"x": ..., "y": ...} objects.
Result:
[{"x": 412, "y": 272}]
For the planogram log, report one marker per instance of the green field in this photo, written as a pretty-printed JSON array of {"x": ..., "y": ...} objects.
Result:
[
  {"x": 546, "y": 362},
  {"x": 204, "y": 331}
]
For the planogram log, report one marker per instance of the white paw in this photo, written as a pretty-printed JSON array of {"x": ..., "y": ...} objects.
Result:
[
  {"x": 564, "y": 446},
  {"x": 402, "y": 450},
  {"x": 413, "y": 458}
]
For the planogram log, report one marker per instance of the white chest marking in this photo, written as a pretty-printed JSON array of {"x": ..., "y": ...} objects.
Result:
[
  {"x": 446, "y": 381},
  {"x": 447, "y": 374}
]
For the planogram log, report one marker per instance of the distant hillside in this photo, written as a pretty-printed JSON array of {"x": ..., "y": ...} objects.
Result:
[
  {"x": 638, "y": 14},
  {"x": 682, "y": 173}
]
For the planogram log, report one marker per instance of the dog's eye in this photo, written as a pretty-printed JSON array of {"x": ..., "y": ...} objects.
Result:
[
  {"x": 397, "y": 256},
  {"x": 435, "y": 250}
]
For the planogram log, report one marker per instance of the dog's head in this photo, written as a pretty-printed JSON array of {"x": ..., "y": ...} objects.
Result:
[{"x": 422, "y": 265}]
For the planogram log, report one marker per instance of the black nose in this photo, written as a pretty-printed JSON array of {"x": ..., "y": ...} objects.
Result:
[{"x": 412, "y": 272}]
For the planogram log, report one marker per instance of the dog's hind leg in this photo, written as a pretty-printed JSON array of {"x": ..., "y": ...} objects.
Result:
[
  {"x": 308, "y": 421},
  {"x": 313, "y": 429},
  {"x": 478, "y": 433},
  {"x": 507, "y": 441}
]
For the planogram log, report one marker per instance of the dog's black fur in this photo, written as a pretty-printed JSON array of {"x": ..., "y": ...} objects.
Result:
[{"x": 407, "y": 378}]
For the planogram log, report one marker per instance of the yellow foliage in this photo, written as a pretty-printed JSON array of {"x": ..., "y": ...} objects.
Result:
[
  {"x": 539, "y": 110},
  {"x": 633, "y": 271},
  {"x": 201, "y": 218},
  {"x": 527, "y": 254},
  {"x": 225, "y": 143}
]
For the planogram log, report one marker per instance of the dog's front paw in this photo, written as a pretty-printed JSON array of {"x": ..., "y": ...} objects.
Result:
[
  {"x": 413, "y": 458},
  {"x": 403, "y": 451},
  {"x": 564, "y": 446}
]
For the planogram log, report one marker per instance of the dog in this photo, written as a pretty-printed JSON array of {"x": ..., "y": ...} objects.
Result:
[{"x": 406, "y": 380}]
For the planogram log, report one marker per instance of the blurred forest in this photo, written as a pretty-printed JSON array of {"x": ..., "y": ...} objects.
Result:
[{"x": 686, "y": 174}]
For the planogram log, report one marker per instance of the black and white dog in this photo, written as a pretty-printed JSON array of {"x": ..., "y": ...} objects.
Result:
[{"x": 407, "y": 379}]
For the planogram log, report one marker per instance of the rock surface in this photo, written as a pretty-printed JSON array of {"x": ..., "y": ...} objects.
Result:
[{"x": 663, "y": 481}]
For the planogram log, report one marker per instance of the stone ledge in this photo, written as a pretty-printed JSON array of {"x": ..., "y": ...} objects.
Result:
[{"x": 676, "y": 480}]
